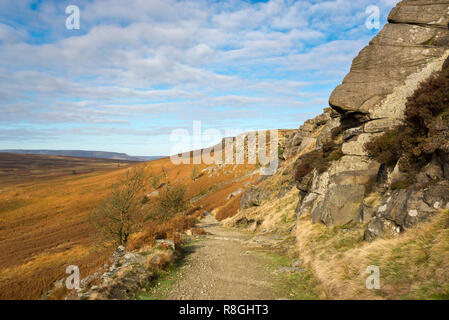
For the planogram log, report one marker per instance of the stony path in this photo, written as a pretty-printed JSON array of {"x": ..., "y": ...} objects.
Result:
[{"x": 221, "y": 267}]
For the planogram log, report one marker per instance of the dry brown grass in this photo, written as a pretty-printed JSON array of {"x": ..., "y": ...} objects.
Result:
[
  {"x": 44, "y": 220},
  {"x": 38, "y": 237},
  {"x": 412, "y": 266},
  {"x": 170, "y": 229},
  {"x": 21, "y": 168},
  {"x": 230, "y": 209},
  {"x": 275, "y": 215}
]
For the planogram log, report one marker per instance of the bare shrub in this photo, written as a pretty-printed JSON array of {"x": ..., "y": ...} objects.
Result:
[
  {"x": 120, "y": 214},
  {"x": 171, "y": 200},
  {"x": 319, "y": 159},
  {"x": 414, "y": 143},
  {"x": 170, "y": 229}
]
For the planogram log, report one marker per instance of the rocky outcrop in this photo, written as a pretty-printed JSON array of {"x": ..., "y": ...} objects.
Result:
[
  {"x": 338, "y": 182},
  {"x": 410, "y": 48},
  {"x": 254, "y": 196},
  {"x": 129, "y": 272},
  {"x": 312, "y": 134},
  {"x": 335, "y": 197},
  {"x": 402, "y": 209},
  {"x": 406, "y": 51},
  {"x": 372, "y": 99}
]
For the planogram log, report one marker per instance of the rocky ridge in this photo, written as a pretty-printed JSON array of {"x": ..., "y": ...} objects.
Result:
[{"x": 348, "y": 186}]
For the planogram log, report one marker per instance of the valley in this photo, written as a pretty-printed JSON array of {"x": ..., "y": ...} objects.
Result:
[{"x": 44, "y": 211}]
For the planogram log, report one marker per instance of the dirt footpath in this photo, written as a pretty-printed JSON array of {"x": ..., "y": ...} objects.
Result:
[{"x": 221, "y": 267}]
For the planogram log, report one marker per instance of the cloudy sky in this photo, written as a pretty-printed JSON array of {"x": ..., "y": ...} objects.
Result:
[{"x": 138, "y": 69}]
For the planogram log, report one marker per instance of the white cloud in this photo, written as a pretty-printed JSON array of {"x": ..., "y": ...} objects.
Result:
[{"x": 137, "y": 59}]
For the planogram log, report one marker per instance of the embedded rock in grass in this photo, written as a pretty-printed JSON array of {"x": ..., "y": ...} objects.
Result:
[
  {"x": 283, "y": 192},
  {"x": 342, "y": 204},
  {"x": 282, "y": 270},
  {"x": 406, "y": 208},
  {"x": 165, "y": 243},
  {"x": 437, "y": 196},
  {"x": 381, "y": 227},
  {"x": 253, "y": 197}
]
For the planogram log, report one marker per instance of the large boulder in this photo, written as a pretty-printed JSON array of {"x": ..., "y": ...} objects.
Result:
[
  {"x": 307, "y": 203},
  {"x": 381, "y": 125},
  {"x": 405, "y": 208},
  {"x": 254, "y": 196},
  {"x": 335, "y": 196},
  {"x": 363, "y": 177},
  {"x": 380, "y": 227},
  {"x": 372, "y": 99},
  {"x": 342, "y": 204},
  {"x": 354, "y": 163},
  {"x": 320, "y": 182},
  {"x": 405, "y": 52},
  {"x": 437, "y": 195},
  {"x": 430, "y": 12}
]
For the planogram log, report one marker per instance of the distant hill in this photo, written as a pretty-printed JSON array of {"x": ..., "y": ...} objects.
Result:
[{"x": 85, "y": 154}]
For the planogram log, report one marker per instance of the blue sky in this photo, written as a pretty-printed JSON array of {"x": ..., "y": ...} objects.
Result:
[{"x": 137, "y": 70}]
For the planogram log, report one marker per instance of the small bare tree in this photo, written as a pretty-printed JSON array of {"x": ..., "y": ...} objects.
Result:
[
  {"x": 121, "y": 212},
  {"x": 172, "y": 200}
]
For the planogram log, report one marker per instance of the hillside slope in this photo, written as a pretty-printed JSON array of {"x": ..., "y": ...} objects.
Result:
[
  {"x": 372, "y": 171},
  {"x": 45, "y": 202}
]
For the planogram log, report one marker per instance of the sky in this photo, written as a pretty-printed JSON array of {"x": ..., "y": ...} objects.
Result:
[{"x": 136, "y": 70}]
